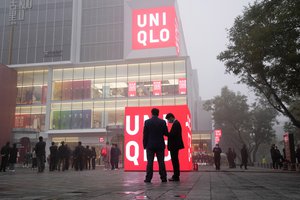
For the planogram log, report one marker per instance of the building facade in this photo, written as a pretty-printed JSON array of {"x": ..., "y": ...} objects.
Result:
[{"x": 80, "y": 63}]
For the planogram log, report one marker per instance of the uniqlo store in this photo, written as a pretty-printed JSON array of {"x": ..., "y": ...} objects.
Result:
[{"x": 136, "y": 59}]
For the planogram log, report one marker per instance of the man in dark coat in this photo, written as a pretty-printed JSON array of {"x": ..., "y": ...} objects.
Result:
[
  {"x": 175, "y": 143},
  {"x": 78, "y": 157},
  {"x": 13, "y": 155},
  {"x": 154, "y": 143},
  {"x": 244, "y": 155},
  {"x": 40, "y": 154},
  {"x": 4, "y": 156},
  {"x": 53, "y": 157},
  {"x": 274, "y": 157},
  {"x": 217, "y": 156}
]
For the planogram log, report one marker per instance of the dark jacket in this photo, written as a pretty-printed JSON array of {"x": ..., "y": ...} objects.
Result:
[
  {"x": 175, "y": 141},
  {"x": 40, "y": 148},
  {"x": 13, "y": 154},
  {"x": 217, "y": 152},
  {"x": 153, "y": 134},
  {"x": 244, "y": 155}
]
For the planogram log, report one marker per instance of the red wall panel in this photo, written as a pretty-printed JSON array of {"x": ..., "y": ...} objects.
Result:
[{"x": 8, "y": 92}]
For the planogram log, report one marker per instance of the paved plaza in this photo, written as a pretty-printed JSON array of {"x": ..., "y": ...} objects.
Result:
[{"x": 255, "y": 183}]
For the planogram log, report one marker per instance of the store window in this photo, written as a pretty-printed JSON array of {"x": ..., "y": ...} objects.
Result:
[
  {"x": 98, "y": 114},
  {"x": 110, "y": 87},
  {"x": 122, "y": 85},
  {"x": 99, "y": 82}
]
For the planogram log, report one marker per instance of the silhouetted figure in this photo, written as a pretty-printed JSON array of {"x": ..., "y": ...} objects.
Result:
[
  {"x": 244, "y": 155},
  {"x": 40, "y": 154},
  {"x": 4, "y": 156},
  {"x": 88, "y": 155},
  {"x": 154, "y": 143},
  {"x": 53, "y": 156},
  {"x": 217, "y": 156},
  {"x": 175, "y": 143},
  {"x": 273, "y": 157},
  {"x": 13, "y": 155},
  {"x": 93, "y": 158},
  {"x": 78, "y": 157},
  {"x": 62, "y": 155},
  {"x": 230, "y": 158},
  {"x": 114, "y": 156}
]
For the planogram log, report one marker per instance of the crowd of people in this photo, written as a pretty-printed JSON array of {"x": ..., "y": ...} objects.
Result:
[
  {"x": 8, "y": 157},
  {"x": 61, "y": 157},
  {"x": 277, "y": 158}
]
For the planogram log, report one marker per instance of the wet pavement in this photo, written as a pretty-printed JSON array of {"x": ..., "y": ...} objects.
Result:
[{"x": 254, "y": 183}]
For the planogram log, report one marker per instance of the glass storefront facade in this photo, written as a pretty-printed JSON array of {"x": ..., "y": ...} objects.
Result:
[{"x": 91, "y": 97}]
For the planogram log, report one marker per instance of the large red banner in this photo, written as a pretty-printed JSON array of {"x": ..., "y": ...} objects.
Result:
[
  {"x": 135, "y": 155},
  {"x": 155, "y": 28}
]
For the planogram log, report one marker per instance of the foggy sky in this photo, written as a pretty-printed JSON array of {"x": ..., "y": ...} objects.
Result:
[{"x": 204, "y": 25}]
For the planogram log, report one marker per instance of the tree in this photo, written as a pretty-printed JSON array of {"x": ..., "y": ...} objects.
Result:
[
  {"x": 263, "y": 118},
  {"x": 230, "y": 113},
  {"x": 240, "y": 123},
  {"x": 263, "y": 52}
]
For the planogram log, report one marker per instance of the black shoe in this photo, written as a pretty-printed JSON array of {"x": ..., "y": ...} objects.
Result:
[
  {"x": 164, "y": 180},
  {"x": 147, "y": 181},
  {"x": 174, "y": 179}
]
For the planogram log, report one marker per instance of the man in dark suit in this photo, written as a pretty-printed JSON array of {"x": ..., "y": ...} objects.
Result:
[
  {"x": 40, "y": 154},
  {"x": 153, "y": 141},
  {"x": 175, "y": 143}
]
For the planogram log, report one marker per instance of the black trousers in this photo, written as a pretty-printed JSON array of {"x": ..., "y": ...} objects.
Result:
[
  {"x": 217, "y": 162},
  {"x": 175, "y": 163},
  {"x": 4, "y": 162},
  {"x": 160, "y": 154}
]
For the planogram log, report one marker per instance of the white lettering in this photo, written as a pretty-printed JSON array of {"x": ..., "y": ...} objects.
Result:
[
  {"x": 133, "y": 158},
  {"x": 164, "y": 15},
  {"x": 144, "y": 23},
  {"x": 190, "y": 146},
  {"x": 154, "y": 19},
  {"x": 142, "y": 37},
  {"x": 136, "y": 125},
  {"x": 152, "y": 40},
  {"x": 164, "y": 35}
]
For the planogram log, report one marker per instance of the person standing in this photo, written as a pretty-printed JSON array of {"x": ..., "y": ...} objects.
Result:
[
  {"x": 154, "y": 143},
  {"x": 175, "y": 143},
  {"x": 13, "y": 155},
  {"x": 40, "y": 154},
  {"x": 105, "y": 154},
  {"x": 78, "y": 157},
  {"x": 230, "y": 158},
  {"x": 4, "y": 156},
  {"x": 62, "y": 156},
  {"x": 53, "y": 157},
  {"x": 244, "y": 155},
  {"x": 274, "y": 157},
  {"x": 34, "y": 160},
  {"x": 88, "y": 155},
  {"x": 114, "y": 156},
  {"x": 93, "y": 158},
  {"x": 217, "y": 156}
]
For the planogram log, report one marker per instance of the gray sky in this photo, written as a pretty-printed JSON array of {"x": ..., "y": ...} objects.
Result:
[{"x": 204, "y": 24}]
